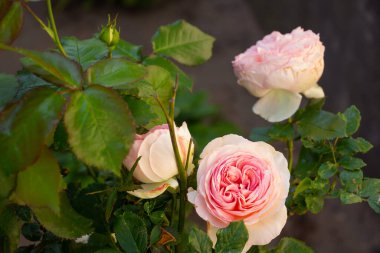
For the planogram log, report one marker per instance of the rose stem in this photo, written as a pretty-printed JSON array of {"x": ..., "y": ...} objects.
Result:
[
  {"x": 54, "y": 28},
  {"x": 290, "y": 151}
]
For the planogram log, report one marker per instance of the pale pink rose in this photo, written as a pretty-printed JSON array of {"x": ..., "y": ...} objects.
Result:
[
  {"x": 157, "y": 165},
  {"x": 278, "y": 68},
  {"x": 242, "y": 180}
]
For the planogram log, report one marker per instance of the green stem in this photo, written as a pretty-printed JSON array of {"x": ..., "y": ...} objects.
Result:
[
  {"x": 54, "y": 28},
  {"x": 43, "y": 25},
  {"x": 290, "y": 144}
]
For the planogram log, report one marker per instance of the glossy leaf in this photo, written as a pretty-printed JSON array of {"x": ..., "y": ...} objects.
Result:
[
  {"x": 352, "y": 116},
  {"x": 52, "y": 67},
  {"x": 28, "y": 81},
  {"x": 321, "y": 125},
  {"x": 68, "y": 224},
  {"x": 199, "y": 242},
  {"x": 25, "y": 127},
  {"x": 126, "y": 49},
  {"x": 40, "y": 183},
  {"x": 131, "y": 233},
  {"x": 8, "y": 88},
  {"x": 232, "y": 238},
  {"x": 85, "y": 52},
  {"x": 11, "y": 23},
  {"x": 291, "y": 245},
  {"x": 183, "y": 42},
  {"x": 115, "y": 73},
  {"x": 183, "y": 79},
  {"x": 100, "y": 128}
]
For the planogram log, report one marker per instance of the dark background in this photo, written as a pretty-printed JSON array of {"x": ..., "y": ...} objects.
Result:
[{"x": 350, "y": 32}]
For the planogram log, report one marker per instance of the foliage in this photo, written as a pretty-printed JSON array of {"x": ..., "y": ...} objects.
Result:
[{"x": 69, "y": 118}]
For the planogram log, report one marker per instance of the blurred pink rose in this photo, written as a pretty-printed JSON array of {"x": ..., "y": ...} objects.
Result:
[
  {"x": 157, "y": 165},
  {"x": 242, "y": 180},
  {"x": 278, "y": 68}
]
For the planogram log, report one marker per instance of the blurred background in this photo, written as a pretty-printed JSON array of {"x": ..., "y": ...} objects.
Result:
[{"x": 350, "y": 31}]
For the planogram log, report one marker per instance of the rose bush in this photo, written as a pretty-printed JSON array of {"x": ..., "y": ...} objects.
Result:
[
  {"x": 157, "y": 165},
  {"x": 242, "y": 180},
  {"x": 279, "y": 67}
]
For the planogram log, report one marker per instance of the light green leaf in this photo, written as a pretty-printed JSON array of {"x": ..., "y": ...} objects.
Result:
[
  {"x": 126, "y": 49},
  {"x": 183, "y": 80},
  {"x": 40, "y": 183},
  {"x": 370, "y": 186},
  {"x": 25, "y": 127},
  {"x": 314, "y": 203},
  {"x": 131, "y": 233},
  {"x": 116, "y": 73},
  {"x": 374, "y": 202},
  {"x": 291, "y": 245},
  {"x": 11, "y": 23},
  {"x": 349, "y": 198},
  {"x": 68, "y": 224},
  {"x": 100, "y": 127},
  {"x": 231, "y": 239},
  {"x": 8, "y": 88},
  {"x": 320, "y": 125},
  {"x": 183, "y": 42},
  {"x": 52, "y": 67},
  {"x": 85, "y": 52},
  {"x": 199, "y": 242},
  {"x": 303, "y": 186}
]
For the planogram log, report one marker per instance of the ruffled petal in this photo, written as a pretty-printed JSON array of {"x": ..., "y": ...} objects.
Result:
[
  {"x": 314, "y": 92},
  {"x": 153, "y": 190},
  {"x": 277, "y": 105}
]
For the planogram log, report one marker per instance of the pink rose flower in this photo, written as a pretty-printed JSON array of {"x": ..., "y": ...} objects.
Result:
[
  {"x": 242, "y": 180},
  {"x": 157, "y": 166},
  {"x": 278, "y": 68}
]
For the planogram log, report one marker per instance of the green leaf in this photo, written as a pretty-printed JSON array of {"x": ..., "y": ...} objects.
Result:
[
  {"x": 303, "y": 186},
  {"x": 260, "y": 134},
  {"x": 320, "y": 125},
  {"x": 351, "y": 163},
  {"x": 85, "y": 52},
  {"x": 352, "y": 116},
  {"x": 370, "y": 186},
  {"x": 111, "y": 200},
  {"x": 32, "y": 231},
  {"x": 183, "y": 42},
  {"x": 349, "y": 146},
  {"x": 351, "y": 180},
  {"x": 11, "y": 23},
  {"x": 8, "y": 88},
  {"x": 40, "y": 183},
  {"x": 8, "y": 183},
  {"x": 100, "y": 127},
  {"x": 141, "y": 111},
  {"x": 231, "y": 239},
  {"x": 25, "y": 127},
  {"x": 116, "y": 73},
  {"x": 199, "y": 242},
  {"x": 374, "y": 202},
  {"x": 183, "y": 80},
  {"x": 349, "y": 198},
  {"x": 131, "y": 233},
  {"x": 52, "y": 67},
  {"x": 327, "y": 170},
  {"x": 108, "y": 251},
  {"x": 10, "y": 226},
  {"x": 314, "y": 203},
  {"x": 155, "y": 234},
  {"x": 28, "y": 81},
  {"x": 159, "y": 217},
  {"x": 291, "y": 245},
  {"x": 126, "y": 49},
  {"x": 68, "y": 224}
]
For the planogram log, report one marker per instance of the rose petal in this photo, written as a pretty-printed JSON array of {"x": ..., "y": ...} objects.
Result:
[
  {"x": 264, "y": 231},
  {"x": 277, "y": 105},
  {"x": 150, "y": 191},
  {"x": 221, "y": 141},
  {"x": 314, "y": 92}
]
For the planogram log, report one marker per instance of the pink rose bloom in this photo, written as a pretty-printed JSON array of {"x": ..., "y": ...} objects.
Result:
[
  {"x": 157, "y": 167},
  {"x": 280, "y": 67},
  {"x": 242, "y": 180}
]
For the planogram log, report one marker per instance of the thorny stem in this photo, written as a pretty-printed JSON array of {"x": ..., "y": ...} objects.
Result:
[{"x": 54, "y": 28}]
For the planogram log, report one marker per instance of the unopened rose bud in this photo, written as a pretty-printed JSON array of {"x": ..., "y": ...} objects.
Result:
[{"x": 109, "y": 34}]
